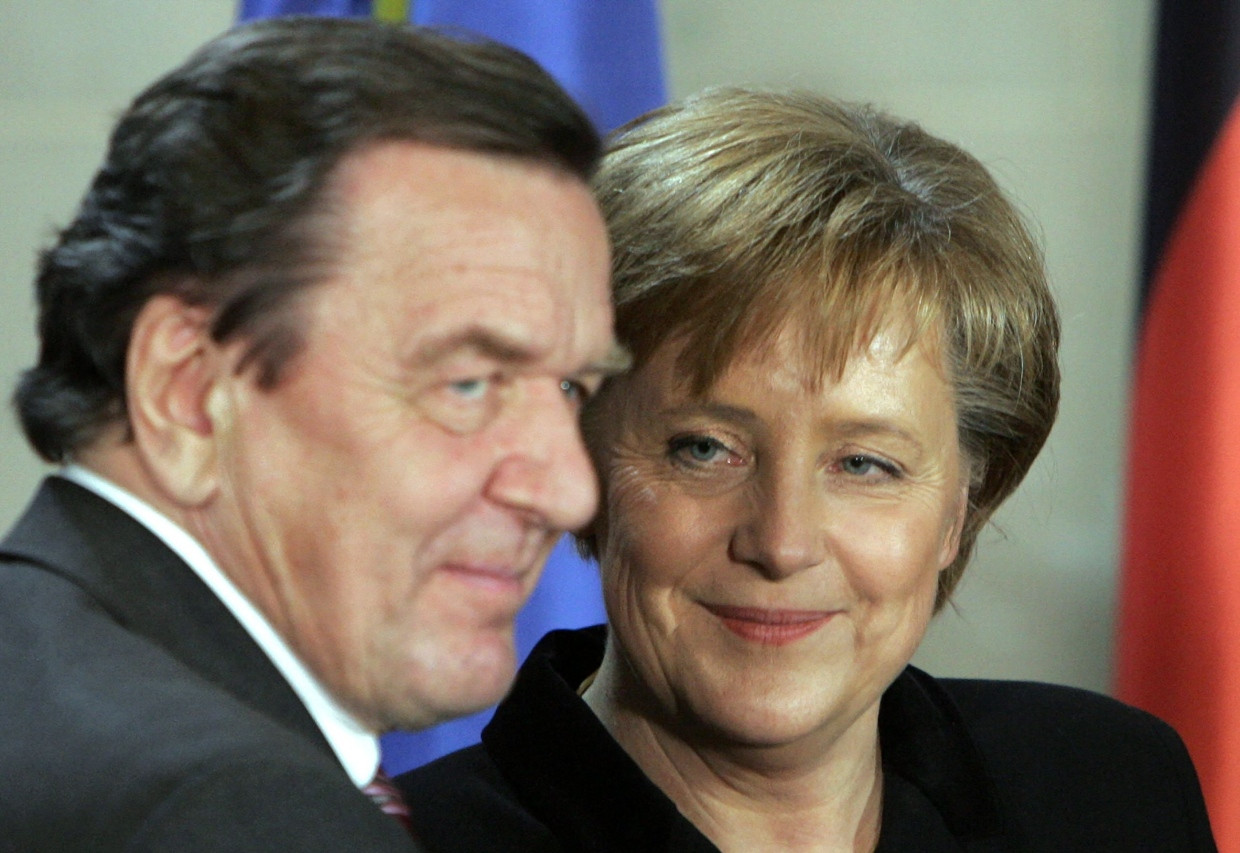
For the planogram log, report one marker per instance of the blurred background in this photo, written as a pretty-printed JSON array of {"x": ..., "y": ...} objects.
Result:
[{"x": 1052, "y": 96}]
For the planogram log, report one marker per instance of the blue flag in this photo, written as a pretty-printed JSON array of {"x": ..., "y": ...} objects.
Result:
[
  {"x": 252, "y": 9},
  {"x": 608, "y": 55}
]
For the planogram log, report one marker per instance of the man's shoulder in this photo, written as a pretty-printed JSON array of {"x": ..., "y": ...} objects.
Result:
[
  {"x": 276, "y": 796},
  {"x": 109, "y": 738}
]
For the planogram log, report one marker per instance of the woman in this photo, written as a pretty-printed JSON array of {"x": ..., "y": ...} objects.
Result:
[{"x": 844, "y": 359}]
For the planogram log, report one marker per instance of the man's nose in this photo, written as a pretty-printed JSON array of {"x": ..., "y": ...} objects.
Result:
[{"x": 546, "y": 472}]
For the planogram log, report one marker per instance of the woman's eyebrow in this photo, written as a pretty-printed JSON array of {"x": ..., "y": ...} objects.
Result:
[
  {"x": 723, "y": 411},
  {"x": 867, "y": 428}
]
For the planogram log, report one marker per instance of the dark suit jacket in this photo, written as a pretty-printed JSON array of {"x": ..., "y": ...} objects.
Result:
[
  {"x": 137, "y": 712},
  {"x": 967, "y": 765}
]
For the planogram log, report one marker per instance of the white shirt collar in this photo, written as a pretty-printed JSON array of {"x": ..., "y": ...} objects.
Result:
[{"x": 356, "y": 747}]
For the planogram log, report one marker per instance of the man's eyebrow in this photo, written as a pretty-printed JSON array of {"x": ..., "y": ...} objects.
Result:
[
  {"x": 486, "y": 342},
  {"x": 617, "y": 360},
  {"x": 510, "y": 350}
]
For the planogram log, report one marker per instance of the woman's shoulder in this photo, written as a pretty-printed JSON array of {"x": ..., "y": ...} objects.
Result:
[
  {"x": 462, "y": 802},
  {"x": 1055, "y": 727},
  {"x": 1061, "y": 728},
  {"x": 1058, "y": 756},
  {"x": 1068, "y": 711}
]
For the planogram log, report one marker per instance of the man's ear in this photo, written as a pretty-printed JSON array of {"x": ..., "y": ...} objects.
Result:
[{"x": 171, "y": 368}]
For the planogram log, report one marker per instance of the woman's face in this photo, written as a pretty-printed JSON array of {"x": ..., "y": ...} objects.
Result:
[{"x": 770, "y": 550}]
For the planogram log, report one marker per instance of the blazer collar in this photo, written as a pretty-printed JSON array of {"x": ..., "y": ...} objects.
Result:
[
  {"x": 933, "y": 773},
  {"x": 570, "y": 772},
  {"x": 146, "y": 588}
]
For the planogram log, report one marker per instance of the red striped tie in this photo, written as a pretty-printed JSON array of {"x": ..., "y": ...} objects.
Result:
[{"x": 385, "y": 795}]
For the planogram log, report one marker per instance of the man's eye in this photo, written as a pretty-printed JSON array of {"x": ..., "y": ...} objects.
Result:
[
  {"x": 470, "y": 389},
  {"x": 574, "y": 391},
  {"x": 463, "y": 405}
]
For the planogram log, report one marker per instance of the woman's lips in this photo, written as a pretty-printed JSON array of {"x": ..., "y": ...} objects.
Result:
[{"x": 770, "y": 627}]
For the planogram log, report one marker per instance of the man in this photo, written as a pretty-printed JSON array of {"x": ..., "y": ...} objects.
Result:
[{"x": 311, "y": 356}]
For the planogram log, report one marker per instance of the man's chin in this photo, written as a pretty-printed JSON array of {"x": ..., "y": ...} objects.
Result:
[{"x": 474, "y": 685}]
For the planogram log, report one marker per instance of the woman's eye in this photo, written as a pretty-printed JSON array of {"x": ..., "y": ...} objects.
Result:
[
  {"x": 860, "y": 465},
  {"x": 698, "y": 449}
]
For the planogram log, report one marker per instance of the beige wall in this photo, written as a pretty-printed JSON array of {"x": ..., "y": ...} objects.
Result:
[
  {"x": 66, "y": 70},
  {"x": 1050, "y": 94}
]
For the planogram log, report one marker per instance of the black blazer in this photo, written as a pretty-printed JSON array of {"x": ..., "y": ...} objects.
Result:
[
  {"x": 968, "y": 766},
  {"x": 137, "y": 712}
]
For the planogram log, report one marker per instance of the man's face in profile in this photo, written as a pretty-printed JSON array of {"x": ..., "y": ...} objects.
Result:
[{"x": 390, "y": 503}]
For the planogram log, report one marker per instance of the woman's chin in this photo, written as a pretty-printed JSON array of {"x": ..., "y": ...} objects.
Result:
[{"x": 767, "y": 722}]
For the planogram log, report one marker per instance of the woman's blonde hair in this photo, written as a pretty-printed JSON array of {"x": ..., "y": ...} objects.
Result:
[{"x": 738, "y": 210}]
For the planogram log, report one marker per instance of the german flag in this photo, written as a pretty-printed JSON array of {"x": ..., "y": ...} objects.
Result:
[{"x": 1179, "y": 617}]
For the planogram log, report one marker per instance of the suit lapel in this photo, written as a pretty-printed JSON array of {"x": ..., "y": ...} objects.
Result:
[{"x": 150, "y": 591}]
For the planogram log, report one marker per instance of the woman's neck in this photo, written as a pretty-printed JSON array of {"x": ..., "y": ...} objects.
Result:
[{"x": 822, "y": 794}]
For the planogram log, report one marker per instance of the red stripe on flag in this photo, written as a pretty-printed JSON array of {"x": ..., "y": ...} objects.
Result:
[{"x": 1179, "y": 624}]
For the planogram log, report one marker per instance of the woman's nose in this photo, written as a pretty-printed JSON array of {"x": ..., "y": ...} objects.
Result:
[{"x": 783, "y": 531}]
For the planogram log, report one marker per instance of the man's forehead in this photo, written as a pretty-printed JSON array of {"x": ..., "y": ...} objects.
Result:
[
  {"x": 508, "y": 345},
  {"x": 385, "y": 163},
  {"x": 454, "y": 253}
]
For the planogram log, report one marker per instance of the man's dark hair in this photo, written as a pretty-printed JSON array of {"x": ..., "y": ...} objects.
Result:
[{"x": 214, "y": 188}]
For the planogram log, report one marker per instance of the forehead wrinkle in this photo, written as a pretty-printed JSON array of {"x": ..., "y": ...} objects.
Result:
[{"x": 489, "y": 342}]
